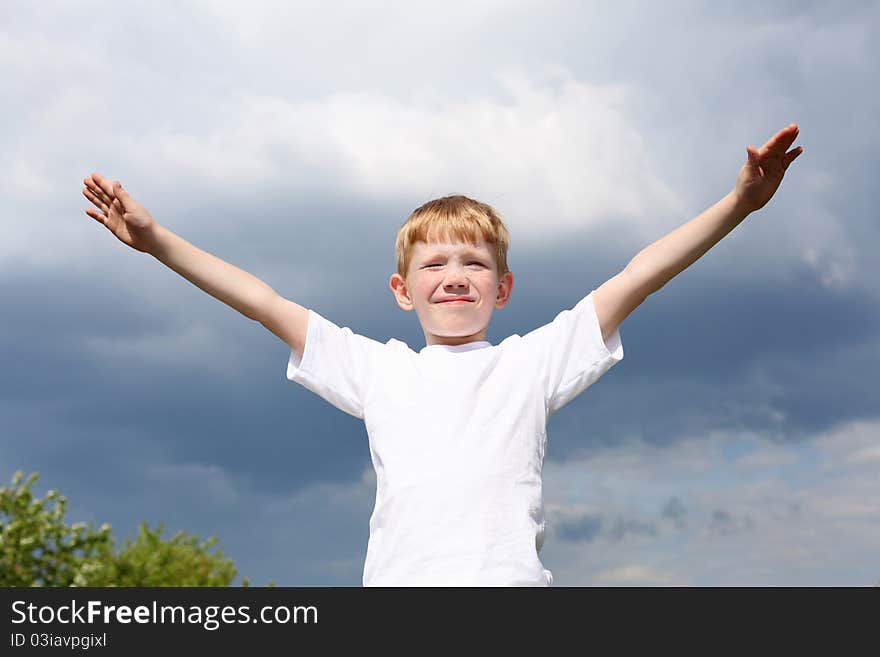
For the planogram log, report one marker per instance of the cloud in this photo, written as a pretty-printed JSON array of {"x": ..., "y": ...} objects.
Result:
[
  {"x": 525, "y": 152},
  {"x": 675, "y": 510},
  {"x": 579, "y": 528},
  {"x": 803, "y": 515},
  {"x": 624, "y": 527},
  {"x": 635, "y": 575},
  {"x": 210, "y": 481},
  {"x": 723, "y": 522}
]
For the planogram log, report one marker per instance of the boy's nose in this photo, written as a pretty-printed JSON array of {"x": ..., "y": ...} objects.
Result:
[{"x": 456, "y": 279}]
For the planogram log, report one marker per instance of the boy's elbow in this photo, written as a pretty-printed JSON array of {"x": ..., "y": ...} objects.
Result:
[
  {"x": 263, "y": 309},
  {"x": 645, "y": 281},
  {"x": 286, "y": 319}
]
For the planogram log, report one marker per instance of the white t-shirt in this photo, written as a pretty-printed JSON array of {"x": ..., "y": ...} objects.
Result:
[{"x": 457, "y": 437}]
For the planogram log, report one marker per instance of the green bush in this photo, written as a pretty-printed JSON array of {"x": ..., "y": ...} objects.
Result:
[{"x": 38, "y": 549}]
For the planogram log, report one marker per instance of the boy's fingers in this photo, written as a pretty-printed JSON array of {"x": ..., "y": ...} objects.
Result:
[
  {"x": 94, "y": 189},
  {"x": 791, "y": 156},
  {"x": 121, "y": 196},
  {"x": 770, "y": 143},
  {"x": 104, "y": 184},
  {"x": 781, "y": 140},
  {"x": 754, "y": 156},
  {"x": 94, "y": 199}
]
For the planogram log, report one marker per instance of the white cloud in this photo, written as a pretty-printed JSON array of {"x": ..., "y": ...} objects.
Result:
[
  {"x": 635, "y": 575},
  {"x": 826, "y": 248},
  {"x": 757, "y": 513},
  {"x": 206, "y": 480},
  {"x": 765, "y": 457},
  {"x": 328, "y": 497},
  {"x": 553, "y": 159}
]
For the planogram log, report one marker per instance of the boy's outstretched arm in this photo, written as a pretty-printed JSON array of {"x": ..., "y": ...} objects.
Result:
[
  {"x": 657, "y": 264},
  {"x": 132, "y": 224}
]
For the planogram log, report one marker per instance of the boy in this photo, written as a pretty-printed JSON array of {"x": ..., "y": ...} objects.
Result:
[{"x": 457, "y": 430}]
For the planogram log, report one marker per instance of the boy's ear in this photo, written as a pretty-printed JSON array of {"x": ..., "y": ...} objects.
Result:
[
  {"x": 401, "y": 294},
  {"x": 505, "y": 287}
]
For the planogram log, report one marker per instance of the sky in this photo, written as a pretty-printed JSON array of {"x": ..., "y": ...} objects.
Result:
[{"x": 738, "y": 441}]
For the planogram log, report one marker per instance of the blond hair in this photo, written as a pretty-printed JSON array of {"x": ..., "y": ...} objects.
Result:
[{"x": 453, "y": 219}]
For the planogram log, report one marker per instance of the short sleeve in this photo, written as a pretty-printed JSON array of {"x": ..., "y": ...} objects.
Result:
[
  {"x": 572, "y": 354},
  {"x": 335, "y": 365}
]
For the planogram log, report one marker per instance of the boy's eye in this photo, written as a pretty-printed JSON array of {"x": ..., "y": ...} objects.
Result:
[{"x": 479, "y": 264}]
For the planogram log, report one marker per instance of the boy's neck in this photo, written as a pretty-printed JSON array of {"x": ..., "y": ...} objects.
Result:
[
  {"x": 454, "y": 340},
  {"x": 467, "y": 346}
]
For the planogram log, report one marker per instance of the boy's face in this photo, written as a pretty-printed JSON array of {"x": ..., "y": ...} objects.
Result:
[{"x": 439, "y": 271}]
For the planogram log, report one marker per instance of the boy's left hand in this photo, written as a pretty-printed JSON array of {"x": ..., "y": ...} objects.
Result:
[{"x": 762, "y": 173}]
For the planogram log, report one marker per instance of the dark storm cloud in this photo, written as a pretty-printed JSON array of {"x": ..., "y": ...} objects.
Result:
[
  {"x": 723, "y": 522},
  {"x": 589, "y": 527},
  {"x": 584, "y": 528},
  {"x": 675, "y": 510},
  {"x": 623, "y": 527}
]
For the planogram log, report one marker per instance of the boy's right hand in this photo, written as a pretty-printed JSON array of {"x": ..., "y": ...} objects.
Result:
[{"x": 127, "y": 219}]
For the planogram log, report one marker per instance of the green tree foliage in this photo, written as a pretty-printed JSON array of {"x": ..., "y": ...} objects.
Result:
[{"x": 38, "y": 549}]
